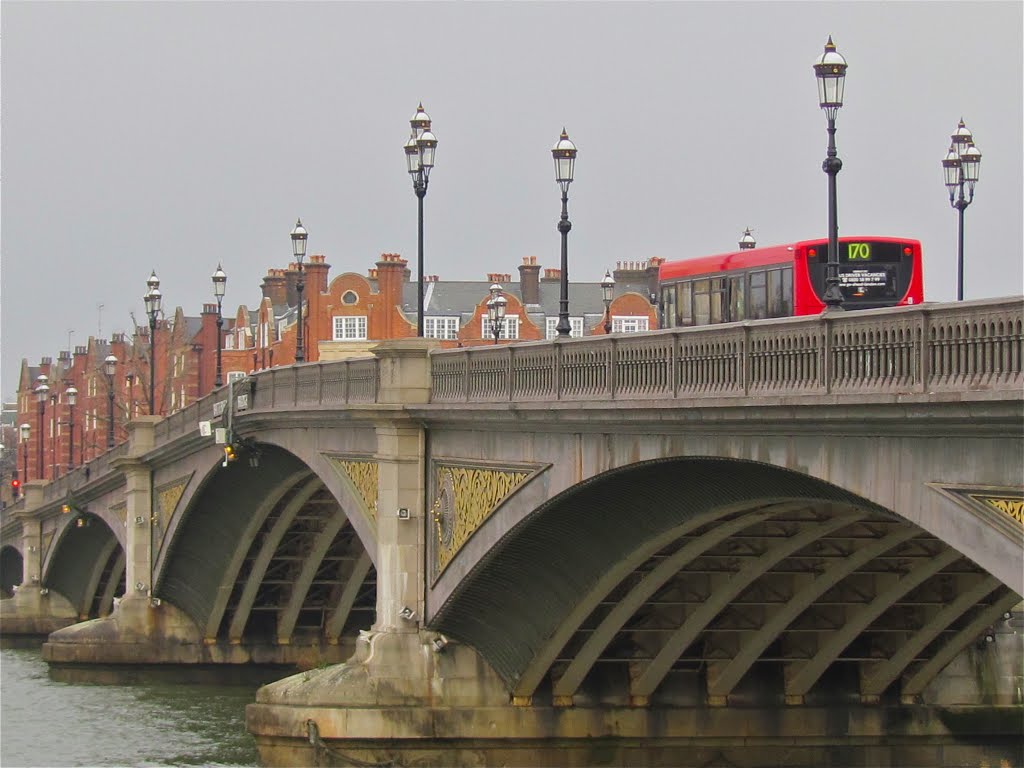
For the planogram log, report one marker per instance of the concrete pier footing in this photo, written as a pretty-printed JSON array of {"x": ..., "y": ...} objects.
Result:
[{"x": 400, "y": 702}]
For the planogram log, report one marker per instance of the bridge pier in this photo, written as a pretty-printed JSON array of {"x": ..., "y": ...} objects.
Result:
[
  {"x": 33, "y": 612},
  {"x": 402, "y": 700}
]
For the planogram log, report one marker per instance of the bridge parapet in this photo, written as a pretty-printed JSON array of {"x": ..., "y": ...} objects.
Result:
[{"x": 968, "y": 346}]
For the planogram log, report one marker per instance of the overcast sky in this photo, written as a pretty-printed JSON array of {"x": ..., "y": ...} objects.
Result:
[{"x": 173, "y": 136}]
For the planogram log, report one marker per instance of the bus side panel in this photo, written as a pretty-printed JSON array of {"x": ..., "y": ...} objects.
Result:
[{"x": 805, "y": 298}]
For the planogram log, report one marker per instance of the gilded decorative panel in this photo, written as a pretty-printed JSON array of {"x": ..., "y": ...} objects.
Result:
[
  {"x": 465, "y": 496},
  {"x": 1009, "y": 506},
  {"x": 363, "y": 476},
  {"x": 166, "y": 500},
  {"x": 1002, "y": 507}
]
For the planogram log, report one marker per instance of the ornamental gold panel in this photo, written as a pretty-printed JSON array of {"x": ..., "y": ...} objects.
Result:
[
  {"x": 466, "y": 496},
  {"x": 1009, "y": 506},
  {"x": 1000, "y": 507},
  {"x": 363, "y": 476},
  {"x": 168, "y": 496}
]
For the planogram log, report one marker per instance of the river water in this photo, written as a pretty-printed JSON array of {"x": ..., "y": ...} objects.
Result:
[{"x": 46, "y": 720}]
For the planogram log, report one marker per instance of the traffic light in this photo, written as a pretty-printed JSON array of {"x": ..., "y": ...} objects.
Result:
[
  {"x": 15, "y": 484},
  {"x": 229, "y": 454}
]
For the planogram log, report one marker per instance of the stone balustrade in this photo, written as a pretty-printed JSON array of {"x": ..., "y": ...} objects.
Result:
[{"x": 924, "y": 349}]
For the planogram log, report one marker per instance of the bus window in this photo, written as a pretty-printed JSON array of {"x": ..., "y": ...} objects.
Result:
[
  {"x": 775, "y": 306},
  {"x": 717, "y": 299},
  {"x": 701, "y": 303},
  {"x": 758, "y": 296},
  {"x": 737, "y": 303},
  {"x": 668, "y": 307},
  {"x": 684, "y": 304},
  {"x": 787, "y": 291}
]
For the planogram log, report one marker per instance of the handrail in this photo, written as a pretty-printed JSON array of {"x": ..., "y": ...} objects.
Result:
[{"x": 926, "y": 348}]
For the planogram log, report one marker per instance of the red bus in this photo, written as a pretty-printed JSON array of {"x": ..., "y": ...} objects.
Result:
[{"x": 784, "y": 280}]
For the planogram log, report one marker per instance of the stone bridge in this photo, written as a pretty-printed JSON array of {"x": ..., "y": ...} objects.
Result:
[{"x": 591, "y": 538}]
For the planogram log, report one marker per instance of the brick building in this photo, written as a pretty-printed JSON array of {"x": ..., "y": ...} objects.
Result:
[{"x": 342, "y": 317}]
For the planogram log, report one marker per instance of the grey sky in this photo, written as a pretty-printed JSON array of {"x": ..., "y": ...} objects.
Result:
[{"x": 171, "y": 136}]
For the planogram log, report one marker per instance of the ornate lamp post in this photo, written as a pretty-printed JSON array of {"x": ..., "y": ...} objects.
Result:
[
  {"x": 153, "y": 299},
  {"x": 830, "y": 69},
  {"x": 564, "y": 153},
  {"x": 219, "y": 284},
  {"x": 607, "y": 292},
  {"x": 72, "y": 395},
  {"x": 496, "y": 311},
  {"x": 110, "y": 368},
  {"x": 962, "y": 166},
  {"x": 419, "y": 159},
  {"x": 42, "y": 393},
  {"x": 299, "y": 236},
  {"x": 26, "y": 432},
  {"x": 747, "y": 241}
]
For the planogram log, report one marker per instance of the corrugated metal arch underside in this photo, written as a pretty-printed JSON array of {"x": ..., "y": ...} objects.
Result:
[
  {"x": 214, "y": 524},
  {"x": 513, "y": 600},
  {"x": 81, "y": 550}
]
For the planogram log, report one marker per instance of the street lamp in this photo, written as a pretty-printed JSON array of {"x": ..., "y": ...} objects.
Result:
[
  {"x": 219, "y": 283},
  {"x": 961, "y": 165},
  {"x": 110, "y": 368},
  {"x": 747, "y": 242},
  {"x": 419, "y": 159},
  {"x": 299, "y": 236},
  {"x": 26, "y": 431},
  {"x": 496, "y": 311},
  {"x": 42, "y": 392},
  {"x": 72, "y": 395},
  {"x": 607, "y": 292},
  {"x": 564, "y": 153},
  {"x": 830, "y": 69},
  {"x": 153, "y": 299}
]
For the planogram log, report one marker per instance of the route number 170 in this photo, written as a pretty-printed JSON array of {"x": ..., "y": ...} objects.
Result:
[{"x": 858, "y": 252}]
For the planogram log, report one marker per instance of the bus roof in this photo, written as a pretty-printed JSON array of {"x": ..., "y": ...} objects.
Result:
[{"x": 753, "y": 257}]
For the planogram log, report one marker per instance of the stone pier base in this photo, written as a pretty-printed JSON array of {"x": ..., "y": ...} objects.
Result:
[
  {"x": 34, "y": 612},
  {"x": 140, "y": 633},
  {"x": 400, "y": 702}
]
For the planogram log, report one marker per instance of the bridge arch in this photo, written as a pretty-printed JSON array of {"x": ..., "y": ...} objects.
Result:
[
  {"x": 12, "y": 570},
  {"x": 722, "y": 570},
  {"x": 85, "y": 563},
  {"x": 263, "y": 550}
]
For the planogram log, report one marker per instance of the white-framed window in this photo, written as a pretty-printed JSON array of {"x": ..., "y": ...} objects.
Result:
[
  {"x": 229, "y": 341},
  {"x": 351, "y": 328},
  {"x": 509, "y": 328},
  {"x": 441, "y": 327},
  {"x": 629, "y": 324},
  {"x": 92, "y": 387},
  {"x": 235, "y": 376},
  {"x": 575, "y": 327}
]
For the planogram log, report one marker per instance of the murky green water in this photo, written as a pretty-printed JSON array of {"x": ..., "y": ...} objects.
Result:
[{"x": 45, "y": 721}]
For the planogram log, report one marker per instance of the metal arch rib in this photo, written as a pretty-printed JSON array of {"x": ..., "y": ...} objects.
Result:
[
  {"x": 545, "y": 656},
  {"x": 300, "y": 588},
  {"x": 227, "y": 582},
  {"x": 722, "y": 683},
  {"x": 802, "y": 675},
  {"x": 927, "y": 672},
  {"x": 883, "y": 674},
  {"x": 93, "y": 584},
  {"x": 265, "y": 555},
  {"x": 107, "y": 598},
  {"x": 697, "y": 621},
  {"x": 651, "y": 583},
  {"x": 336, "y": 623}
]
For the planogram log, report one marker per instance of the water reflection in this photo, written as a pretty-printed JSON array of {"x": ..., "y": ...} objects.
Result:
[{"x": 139, "y": 720}]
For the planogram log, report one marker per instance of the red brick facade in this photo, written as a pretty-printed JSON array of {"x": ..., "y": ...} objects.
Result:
[{"x": 343, "y": 316}]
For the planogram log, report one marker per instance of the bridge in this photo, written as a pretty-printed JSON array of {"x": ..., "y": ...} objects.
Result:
[{"x": 754, "y": 541}]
